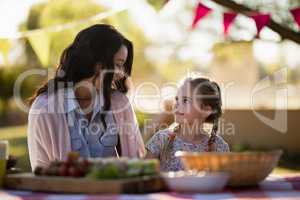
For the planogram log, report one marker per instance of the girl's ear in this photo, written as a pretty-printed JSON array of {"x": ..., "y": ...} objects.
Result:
[{"x": 207, "y": 110}]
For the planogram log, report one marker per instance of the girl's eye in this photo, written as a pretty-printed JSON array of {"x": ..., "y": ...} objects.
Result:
[{"x": 185, "y": 100}]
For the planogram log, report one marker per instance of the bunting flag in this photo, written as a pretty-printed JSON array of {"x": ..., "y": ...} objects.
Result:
[
  {"x": 5, "y": 46},
  {"x": 158, "y": 4},
  {"x": 40, "y": 42},
  {"x": 296, "y": 14},
  {"x": 228, "y": 19},
  {"x": 200, "y": 12},
  {"x": 40, "y": 39},
  {"x": 261, "y": 20}
]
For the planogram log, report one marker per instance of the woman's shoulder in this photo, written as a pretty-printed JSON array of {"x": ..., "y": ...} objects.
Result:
[
  {"x": 48, "y": 103},
  {"x": 40, "y": 104}
]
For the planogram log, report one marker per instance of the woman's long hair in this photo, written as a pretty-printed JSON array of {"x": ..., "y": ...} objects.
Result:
[{"x": 94, "y": 45}]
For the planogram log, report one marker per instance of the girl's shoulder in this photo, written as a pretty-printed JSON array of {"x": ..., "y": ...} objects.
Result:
[
  {"x": 165, "y": 134},
  {"x": 157, "y": 142},
  {"x": 161, "y": 138},
  {"x": 221, "y": 144}
]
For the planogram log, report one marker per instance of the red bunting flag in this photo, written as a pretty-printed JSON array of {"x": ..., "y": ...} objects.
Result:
[
  {"x": 261, "y": 20},
  {"x": 296, "y": 14},
  {"x": 200, "y": 12},
  {"x": 228, "y": 19}
]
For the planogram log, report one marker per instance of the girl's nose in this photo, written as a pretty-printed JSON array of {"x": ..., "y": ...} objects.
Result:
[{"x": 175, "y": 105}]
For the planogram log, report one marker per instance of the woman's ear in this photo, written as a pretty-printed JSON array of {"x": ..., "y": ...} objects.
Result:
[{"x": 98, "y": 67}]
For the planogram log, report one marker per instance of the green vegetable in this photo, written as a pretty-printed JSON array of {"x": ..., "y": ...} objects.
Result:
[
  {"x": 150, "y": 167},
  {"x": 135, "y": 168}
]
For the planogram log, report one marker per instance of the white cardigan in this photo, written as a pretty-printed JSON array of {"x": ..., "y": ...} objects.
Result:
[{"x": 48, "y": 133}]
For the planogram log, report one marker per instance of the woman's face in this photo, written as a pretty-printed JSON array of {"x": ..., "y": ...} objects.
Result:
[
  {"x": 188, "y": 108},
  {"x": 119, "y": 60}
]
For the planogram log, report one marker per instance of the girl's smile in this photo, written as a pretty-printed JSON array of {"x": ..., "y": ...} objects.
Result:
[{"x": 178, "y": 113}]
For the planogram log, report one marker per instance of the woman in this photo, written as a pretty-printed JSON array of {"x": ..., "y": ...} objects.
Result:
[{"x": 84, "y": 107}]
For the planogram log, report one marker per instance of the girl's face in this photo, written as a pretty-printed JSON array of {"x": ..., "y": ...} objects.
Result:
[{"x": 188, "y": 108}]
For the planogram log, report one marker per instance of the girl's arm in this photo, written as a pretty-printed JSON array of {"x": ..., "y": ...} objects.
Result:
[
  {"x": 155, "y": 145},
  {"x": 150, "y": 155}
]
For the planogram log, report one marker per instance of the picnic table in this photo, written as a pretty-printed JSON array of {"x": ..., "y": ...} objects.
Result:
[{"x": 274, "y": 187}]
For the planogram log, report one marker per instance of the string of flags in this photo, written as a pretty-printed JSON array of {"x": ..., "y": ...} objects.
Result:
[
  {"x": 296, "y": 14},
  {"x": 40, "y": 40},
  {"x": 261, "y": 19}
]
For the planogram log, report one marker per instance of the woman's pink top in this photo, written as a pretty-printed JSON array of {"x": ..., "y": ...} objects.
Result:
[{"x": 48, "y": 132}]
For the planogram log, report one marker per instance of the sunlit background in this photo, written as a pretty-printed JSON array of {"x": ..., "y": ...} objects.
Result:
[{"x": 258, "y": 76}]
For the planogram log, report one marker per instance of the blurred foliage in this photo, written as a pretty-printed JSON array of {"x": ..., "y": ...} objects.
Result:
[
  {"x": 240, "y": 147},
  {"x": 58, "y": 12},
  {"x": 8, "y": 77},
  {"x": 17, "y": 138}
]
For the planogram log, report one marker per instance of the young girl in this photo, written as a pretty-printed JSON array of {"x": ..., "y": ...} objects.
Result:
[{"x": 198, "y": 101}]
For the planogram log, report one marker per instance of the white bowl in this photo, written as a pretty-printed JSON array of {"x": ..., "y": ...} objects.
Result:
[
  {"x": 244, "y": 168},
  {"x": 200, "y": 182}
]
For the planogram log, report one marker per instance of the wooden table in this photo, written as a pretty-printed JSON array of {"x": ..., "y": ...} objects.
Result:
[{"x": 277, "y": 187}]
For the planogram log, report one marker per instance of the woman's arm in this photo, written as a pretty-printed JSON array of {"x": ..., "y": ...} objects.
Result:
[
  {"x": 38, "y": 152},
  {"x": 48, "y": 133},
  {"x": 132, "y": 143}
]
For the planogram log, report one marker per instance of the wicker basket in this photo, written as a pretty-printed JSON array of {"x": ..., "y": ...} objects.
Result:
[{"x": 245, "y": 169}]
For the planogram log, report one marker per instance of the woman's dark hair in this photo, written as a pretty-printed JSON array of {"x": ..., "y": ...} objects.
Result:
[
  {"x": 210, "y": 95},
  {"x": 94, "y": 45}
]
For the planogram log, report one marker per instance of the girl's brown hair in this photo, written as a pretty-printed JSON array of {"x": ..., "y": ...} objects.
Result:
[{"x": 210, "y": 95}]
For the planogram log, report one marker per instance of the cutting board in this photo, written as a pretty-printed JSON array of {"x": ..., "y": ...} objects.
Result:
[{"x": 28, "y": 181}]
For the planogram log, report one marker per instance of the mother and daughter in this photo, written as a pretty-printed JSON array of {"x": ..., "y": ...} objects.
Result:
[{"x": 84, "y": 108}]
